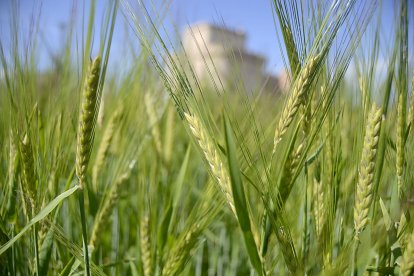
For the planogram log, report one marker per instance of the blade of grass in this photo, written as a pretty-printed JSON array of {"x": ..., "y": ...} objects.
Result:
[
  {"x": 41, "y": 215},
  {"x": 240, "y": 199}
]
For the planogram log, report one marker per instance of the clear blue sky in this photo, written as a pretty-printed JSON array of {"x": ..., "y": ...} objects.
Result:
[{"x": 252, "y": 16}]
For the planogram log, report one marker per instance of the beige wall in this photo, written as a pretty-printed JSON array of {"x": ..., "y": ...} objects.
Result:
[{"x": 208, "y": 44}]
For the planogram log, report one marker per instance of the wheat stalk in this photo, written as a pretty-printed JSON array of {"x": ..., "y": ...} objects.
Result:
[
  {"x": 300, "y": 88},
  {"x": 363, "y": 87},
  {"x": 363, "y": 196},
  {"x": 86, "y": 126},
  {"x": 145, "y": 242},
  {"x": 216, "y": 165}
]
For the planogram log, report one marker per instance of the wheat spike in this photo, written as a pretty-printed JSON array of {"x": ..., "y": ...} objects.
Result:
[
  {"x": 180, "y": 252},
  {"x": 295, "y": 99},
  {"x": 306, "y": 113},
  {"x": 29, "y": 175},
  {"x": 284, "y": 237},
  {"x": 145, "y": 242},
  {"x": 104, "y": 146},
  {"x": 12, "y": 170},
  {"x": 363, "y": 196},
  {"x": 87, "y": 116},
  {"x": 12, "y": 156},
  {"x": 318, "y": 206},
  {"x": 43, "y": 227},
  {"x": 216, "y": 165},
  {"x": 289, "y": 169},
  {"x": 108, "y": 205}
]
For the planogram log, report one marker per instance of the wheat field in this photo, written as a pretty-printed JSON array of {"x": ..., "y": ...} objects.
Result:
[{"x": 149, "y": 171}]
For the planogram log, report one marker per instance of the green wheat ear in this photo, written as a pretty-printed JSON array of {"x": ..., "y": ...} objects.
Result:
[
  {"x": 29, "y": 176},
  {"x": 212, "y": 156},
  {"x": 108, "y": 205},
  {"x": 104, "y": 146},
  {"x": 87, "y": 120},
  {"x": 300, "y": 89},
  {"x": 363, "y": 196},
  {"x": 178, "y": 254}
]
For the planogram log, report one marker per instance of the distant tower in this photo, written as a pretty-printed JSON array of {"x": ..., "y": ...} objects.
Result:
[{"x": 206, "y": 44}]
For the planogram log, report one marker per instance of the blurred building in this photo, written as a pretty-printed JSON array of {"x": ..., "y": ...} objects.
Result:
[{"x": 219, "y": 55}]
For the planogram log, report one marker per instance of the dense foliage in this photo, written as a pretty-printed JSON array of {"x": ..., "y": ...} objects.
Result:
[{"x": 150, "y": 172}]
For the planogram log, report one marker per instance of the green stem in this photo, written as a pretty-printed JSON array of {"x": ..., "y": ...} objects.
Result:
[
  {"x": 305, "y": 228},
  {"x": 13, "y": 263},
  {"x": 84, "y": 234},
  {"x": 36, "y": 247},
  {"x": 355, "y": 258}
]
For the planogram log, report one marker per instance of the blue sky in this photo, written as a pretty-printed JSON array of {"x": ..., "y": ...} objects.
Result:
[{"x": 252, "y": 16}]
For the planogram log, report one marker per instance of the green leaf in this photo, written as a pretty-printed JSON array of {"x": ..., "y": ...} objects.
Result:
[
  {"x": 239, "y": 197},
  {"x": 66, "y": 270},
  {"x": 266, "y": 233},
  {"x": 386, "y": 215},
  {"x": 314, "y": 155},
  {"x": 41, "y": 215},
  {"x": 180, "y": 178}
]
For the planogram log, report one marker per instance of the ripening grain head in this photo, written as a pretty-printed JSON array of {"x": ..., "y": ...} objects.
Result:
[
  {"x": 29, "y": 176},
  {"x": 87, "y": 114},
  {"x": 363, "y": 197},
  {"x": 212, "y": 156},
  {"x": 105, "y": 145},
  {"x": 300, "y": 88},
  {"x": 108, "y": 205}
]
